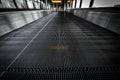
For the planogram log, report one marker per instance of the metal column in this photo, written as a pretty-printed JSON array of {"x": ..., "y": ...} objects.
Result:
[
  {"x": 46, "y": 4},
  {"x": 80, "y": 3},
  {"x": 75, "y": 3},
  {"x": 34, "y": 5},
  {"x": 26, "y": 4},
  {"x": 14, "y": 1},
  {"x": 91, "y": 3},
  {"x": 72, "y": 5}
]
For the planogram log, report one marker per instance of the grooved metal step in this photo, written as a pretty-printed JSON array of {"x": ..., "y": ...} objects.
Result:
[{"x": 59, "y": 73}]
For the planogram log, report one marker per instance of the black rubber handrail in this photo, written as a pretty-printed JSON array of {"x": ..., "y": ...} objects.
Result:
[
  {"x": 101, "y": 9},
  {"x": 14, "y": 9}
]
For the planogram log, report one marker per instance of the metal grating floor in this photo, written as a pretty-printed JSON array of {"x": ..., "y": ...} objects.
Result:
[
  {"x": 73, "y": 73},
  {"x": 68, "y": 48}
]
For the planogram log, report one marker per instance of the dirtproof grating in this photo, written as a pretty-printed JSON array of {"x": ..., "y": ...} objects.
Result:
[{"x": 73, "y": 73}]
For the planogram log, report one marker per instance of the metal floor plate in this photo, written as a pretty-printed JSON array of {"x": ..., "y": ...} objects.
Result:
[{"x": 68, "y": 48}]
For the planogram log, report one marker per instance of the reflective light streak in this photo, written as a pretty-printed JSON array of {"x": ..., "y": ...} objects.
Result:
[{"x": 60, "y": 1}]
